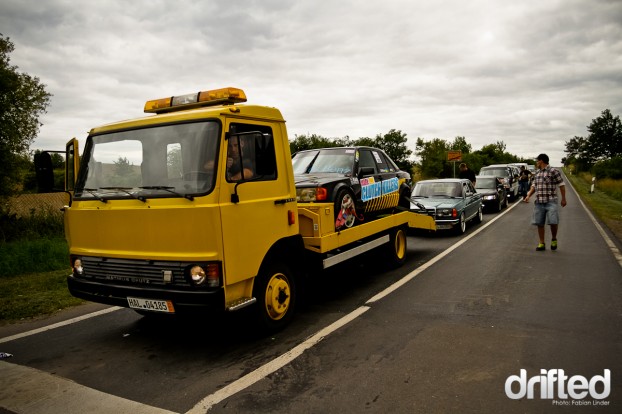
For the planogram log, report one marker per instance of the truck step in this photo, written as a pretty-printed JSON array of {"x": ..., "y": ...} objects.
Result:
[{"x": 240, "y": 303}]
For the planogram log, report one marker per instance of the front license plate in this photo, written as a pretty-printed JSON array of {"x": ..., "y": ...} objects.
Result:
[{"x": 151, "y": 305}]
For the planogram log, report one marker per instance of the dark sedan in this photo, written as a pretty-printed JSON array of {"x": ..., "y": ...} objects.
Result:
[
  {"x": 493, "y": 192},
  {"x": 360, "y": 181},
  {"x": 451, "y": 201}
]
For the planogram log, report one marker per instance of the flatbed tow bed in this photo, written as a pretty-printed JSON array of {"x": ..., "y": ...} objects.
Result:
[{"x": 319, "y": 235}]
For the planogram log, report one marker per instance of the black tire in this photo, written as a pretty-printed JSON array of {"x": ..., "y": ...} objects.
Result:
[
  {"x": 345, "y": 196},
  {"x": 275, "y": 290},
  {"x": 395, "y": 249},
  {"x": 480, "y": 215},
  {"x": 461, "y": 226}
]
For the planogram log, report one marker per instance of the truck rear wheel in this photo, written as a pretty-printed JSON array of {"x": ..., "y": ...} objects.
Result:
[
  {"x": 276, "y": 296},
  {"x": 395, "y": 250}
]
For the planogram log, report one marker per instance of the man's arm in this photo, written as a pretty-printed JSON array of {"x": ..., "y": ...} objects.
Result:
[{"x": 532, "y": 189}]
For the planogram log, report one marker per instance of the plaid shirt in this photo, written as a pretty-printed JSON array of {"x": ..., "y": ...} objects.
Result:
[{"x": 545, "y": 183}]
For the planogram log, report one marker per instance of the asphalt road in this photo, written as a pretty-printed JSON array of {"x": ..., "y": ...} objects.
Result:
[{"x": 446, "y": 340}]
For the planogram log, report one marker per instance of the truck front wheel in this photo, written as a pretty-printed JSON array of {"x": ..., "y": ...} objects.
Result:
[{"x": 276, "y": 296}]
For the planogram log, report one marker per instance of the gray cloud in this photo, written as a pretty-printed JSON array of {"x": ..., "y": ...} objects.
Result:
[{"x": 532, "y": 74}]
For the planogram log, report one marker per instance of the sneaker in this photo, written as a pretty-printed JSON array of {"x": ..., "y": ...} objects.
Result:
[
  {"x": 541, "y": 246},
  {"x": 553, "y": 244}
]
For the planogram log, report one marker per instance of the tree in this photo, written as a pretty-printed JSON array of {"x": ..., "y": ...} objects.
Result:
[
  {"x": 603, "y": 143},
  {"x": 460, "y": 144},
  {"x": 433, "y": 155},
  {"x": 22, "y": 100},
  {"x": 306, "y": 142},
  {"x": 394, "y": 144},
  {"x": 605, "y": 139}
]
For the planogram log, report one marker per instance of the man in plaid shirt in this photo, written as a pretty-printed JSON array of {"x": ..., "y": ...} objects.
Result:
[{"x": 546, "y": 208}]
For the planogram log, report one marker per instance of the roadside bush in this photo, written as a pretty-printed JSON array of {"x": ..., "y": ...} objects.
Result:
[
  {"x": 39, "y": 224},
  {"x": 33, "y": 256},
  {"x": 611, "y": 168},
  {"x": 31, "y": 243}
]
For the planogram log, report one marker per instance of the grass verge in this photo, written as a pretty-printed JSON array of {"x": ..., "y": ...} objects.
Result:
[
  {"x": 34, "y": 294},
  {"x": 607, "y": 208}
]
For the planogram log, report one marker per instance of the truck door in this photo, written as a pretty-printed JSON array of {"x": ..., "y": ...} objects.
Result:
[{"x": 255, "y": 196}]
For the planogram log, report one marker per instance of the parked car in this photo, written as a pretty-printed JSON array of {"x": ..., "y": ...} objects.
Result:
[
  {"x": 451, "y": 201},
  {"x": 509, "y": 174},
  {"x": 360, "y": 181},
  {"x": 494, "y": 195}
]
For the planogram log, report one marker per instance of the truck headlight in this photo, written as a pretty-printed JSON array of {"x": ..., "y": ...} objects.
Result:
[
  {"x": 197, "y": 275},
  {"x": 205, "y": 275},
  {"x": 76, "y": 265}
]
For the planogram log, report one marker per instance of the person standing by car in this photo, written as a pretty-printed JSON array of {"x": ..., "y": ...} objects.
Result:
[
  {"x": 523, "y": 181},
  {"x": 466, "y": 172},
  {"x": 546, "y": 208}
]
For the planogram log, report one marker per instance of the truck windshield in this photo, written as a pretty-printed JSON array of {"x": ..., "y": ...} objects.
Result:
[{"x": 163, "y": 161}]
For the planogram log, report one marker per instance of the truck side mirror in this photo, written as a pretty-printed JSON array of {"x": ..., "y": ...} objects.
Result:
[{"x": 44, "y": 172}]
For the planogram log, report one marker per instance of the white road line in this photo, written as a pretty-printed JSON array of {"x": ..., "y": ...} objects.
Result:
[
  {"x": 260, "y": 373},
  {"x": 58, "y": 325},
  {"x": 437, "y": 258}
]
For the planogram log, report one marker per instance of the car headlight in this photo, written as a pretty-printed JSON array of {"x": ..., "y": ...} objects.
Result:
[
  {"x": 309, "y": 195},
  {"x": 443, "y": 212},
  {"x": 489, "y": 197}
]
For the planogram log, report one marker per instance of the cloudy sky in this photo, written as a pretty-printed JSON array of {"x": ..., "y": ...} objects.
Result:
[{"x": 532, "y": 73}]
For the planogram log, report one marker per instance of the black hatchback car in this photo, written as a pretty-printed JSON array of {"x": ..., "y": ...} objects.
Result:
[
  {"x": 360, "y": 181},
  {"x": 492, "y": 189}
]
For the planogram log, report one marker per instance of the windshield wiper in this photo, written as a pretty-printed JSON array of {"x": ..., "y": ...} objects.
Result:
[
  {"x": 126, "y": 191},
  {"x": 92, "y": 191},
  {"x": 169, "y": 189}
]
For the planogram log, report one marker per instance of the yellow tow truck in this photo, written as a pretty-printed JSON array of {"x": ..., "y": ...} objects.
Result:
[{"x": 194, "y": 208}]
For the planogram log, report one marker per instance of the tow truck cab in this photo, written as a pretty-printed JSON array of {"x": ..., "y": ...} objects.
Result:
[{"x": 161, "y": 219}]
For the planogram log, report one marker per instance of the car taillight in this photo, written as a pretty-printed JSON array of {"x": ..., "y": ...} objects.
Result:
[{"x": 454, "y": 213}]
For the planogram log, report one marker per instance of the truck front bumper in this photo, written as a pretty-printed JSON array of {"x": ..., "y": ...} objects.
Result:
[{"x": 184, "y": 301}]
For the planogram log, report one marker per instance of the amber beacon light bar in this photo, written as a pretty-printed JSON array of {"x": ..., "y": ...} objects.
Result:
[{"x": 196, "y": 100}]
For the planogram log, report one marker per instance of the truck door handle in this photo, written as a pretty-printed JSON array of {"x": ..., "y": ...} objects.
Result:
[{"x": 284, "y": 201}]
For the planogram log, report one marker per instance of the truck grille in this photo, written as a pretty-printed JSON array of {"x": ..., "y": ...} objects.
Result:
[{"x": 134, "y": 272}]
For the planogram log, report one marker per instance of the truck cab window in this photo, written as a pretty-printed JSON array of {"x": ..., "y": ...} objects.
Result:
[{"x": 250, "y": 153}]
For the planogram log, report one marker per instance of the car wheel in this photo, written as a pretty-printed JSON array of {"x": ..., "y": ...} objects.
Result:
[
  {"x": 480, "y": 215},
  {"x": 275, "y": 291},
  {"x": 345, "y": 210},
  {"x": 461, "y": 226}
]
